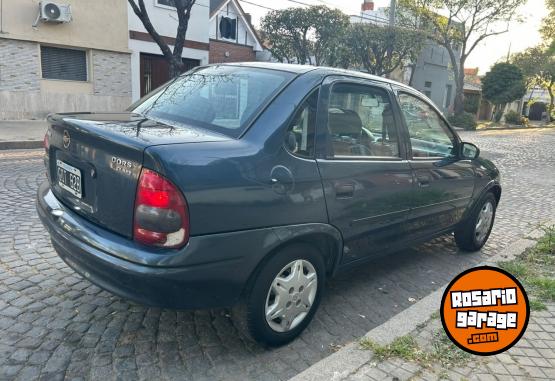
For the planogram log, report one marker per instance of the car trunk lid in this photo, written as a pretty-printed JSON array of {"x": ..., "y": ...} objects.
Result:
[{"x": 95, "y": 161}]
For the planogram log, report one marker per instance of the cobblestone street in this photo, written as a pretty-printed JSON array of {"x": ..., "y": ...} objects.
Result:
[{"x": 54, "y": 325}]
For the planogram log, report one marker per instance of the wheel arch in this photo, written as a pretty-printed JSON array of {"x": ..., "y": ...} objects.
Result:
[
  {"x": 496, "y": 190},
  {"x": 324, "y": 238},
  {"x": 492, "y": 187}
]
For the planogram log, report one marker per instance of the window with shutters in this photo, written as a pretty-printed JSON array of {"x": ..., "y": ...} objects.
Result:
[
  {"x": 228, "y": 28},
  {"x": 66, "y": 64}
]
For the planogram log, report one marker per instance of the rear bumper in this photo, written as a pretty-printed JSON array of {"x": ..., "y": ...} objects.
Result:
[{"x": 210, "y": 272}]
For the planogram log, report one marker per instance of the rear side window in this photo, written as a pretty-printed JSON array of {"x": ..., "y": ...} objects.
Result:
[
  {"x": 300, "y": 135},
  {"x": 220, "y": 98},
  {"x": 361, "y": 122}
]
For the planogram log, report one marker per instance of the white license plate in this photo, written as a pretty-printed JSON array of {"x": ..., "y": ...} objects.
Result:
[{"x": 69, "y": 178}]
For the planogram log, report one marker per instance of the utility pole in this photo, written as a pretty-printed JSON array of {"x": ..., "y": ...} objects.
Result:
[
  {"x": 392, "y": 6},
  {"x": 391, "y": 25}
]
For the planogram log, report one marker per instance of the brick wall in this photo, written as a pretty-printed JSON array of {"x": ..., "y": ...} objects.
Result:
[
  {"x": 24, "y": 95},
  {"x": 19, "y": 65},
  {"x": 111, "y": 73},
  {"x": 237, "y": 53}
]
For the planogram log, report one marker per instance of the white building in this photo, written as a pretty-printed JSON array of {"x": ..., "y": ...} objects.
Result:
[
  {"x": 148, "y": 68},
  {"x": 431, "y": 73},
  {"x": 232, "y": 36}
]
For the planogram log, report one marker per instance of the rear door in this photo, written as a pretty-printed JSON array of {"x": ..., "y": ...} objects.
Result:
[
  {"x": 367, "y": 180},
  {"x": 444, "y": 184}
]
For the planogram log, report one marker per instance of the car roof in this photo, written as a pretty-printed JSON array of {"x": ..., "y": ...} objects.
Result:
[
  {"x": 292, "y": 68},
  {"x": 324, "y": 70}
]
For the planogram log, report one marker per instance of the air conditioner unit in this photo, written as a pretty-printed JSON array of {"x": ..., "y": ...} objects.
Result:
[{"x": 55, "y": 13}]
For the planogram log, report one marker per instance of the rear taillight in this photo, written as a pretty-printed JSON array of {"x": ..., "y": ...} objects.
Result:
[
  {"x": 161, "y": 215},
  {"x": 46, "y": 142}
]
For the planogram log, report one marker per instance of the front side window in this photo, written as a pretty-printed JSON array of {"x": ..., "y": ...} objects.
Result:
[
  {"x": 361, "y": 122},
  {"x": 219, "y": 98},
  {"x": 65, "y": 64},
  {"x": 299, "y": 139},
  {"x": 429, "y": 135}
]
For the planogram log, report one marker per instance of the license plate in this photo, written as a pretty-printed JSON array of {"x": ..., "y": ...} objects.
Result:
[{"x": 69, "y": 178}]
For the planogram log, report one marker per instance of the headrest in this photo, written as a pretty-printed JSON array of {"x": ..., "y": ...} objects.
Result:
[{"x": 344, "y": 122}]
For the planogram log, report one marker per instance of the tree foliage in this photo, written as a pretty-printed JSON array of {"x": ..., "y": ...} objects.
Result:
[
  {"x": 538, "y": 67},
  {"x": 183, "y": 8},
  {"x": 305, "y": 35},
  {"x": 548, "y": 26},
  {"x": 459, "y": 26},
  {"x": 503, "y": 84},
  {"x": 381, "y": 49}
]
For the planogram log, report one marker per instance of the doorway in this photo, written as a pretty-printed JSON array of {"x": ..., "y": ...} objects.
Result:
[{"x": 155, "y": 71}]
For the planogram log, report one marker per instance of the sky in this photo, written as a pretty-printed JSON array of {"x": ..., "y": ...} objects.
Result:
[{"x": 519, "y": 37}]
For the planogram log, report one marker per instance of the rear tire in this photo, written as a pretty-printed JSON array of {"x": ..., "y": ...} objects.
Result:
[
  {"x": 474, "y": 232},
  {"x": 289, "y": 286}
]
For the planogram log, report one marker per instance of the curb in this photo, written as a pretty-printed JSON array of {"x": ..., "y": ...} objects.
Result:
[
  {"x": 350, "y": 358},
  {"x": 24, "y": 144},
  {"x": 512, "y": 128}
]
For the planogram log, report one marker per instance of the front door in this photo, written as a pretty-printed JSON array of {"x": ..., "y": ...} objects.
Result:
[
  {"x": 155, "y": 71},
  {"x": 444, "y": 184},
  {"x": 367, "y": 181}
]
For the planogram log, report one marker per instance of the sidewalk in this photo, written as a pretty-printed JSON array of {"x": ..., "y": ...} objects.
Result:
[
  {"x": 22, "y": 134},
  {"x": 533, "y": 357},
  {"x": 493, "y": 126},
  {"x": 413, "y": 346}
]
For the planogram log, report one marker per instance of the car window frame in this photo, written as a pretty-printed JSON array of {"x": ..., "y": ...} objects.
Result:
[
  {"x": 447, "y": 127},
  {"x": 316, "y": 89},
  {"x": 323, "y": 136}
]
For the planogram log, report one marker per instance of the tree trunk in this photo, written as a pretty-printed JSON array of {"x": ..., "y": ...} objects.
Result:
[
  {"x": 175, "y": 67},
  {"x": 458, "y": 105},
  {"x": 458, "y": 72},
  {"x": 499, "y": 110},
  {"x": 551, "y": 103}
]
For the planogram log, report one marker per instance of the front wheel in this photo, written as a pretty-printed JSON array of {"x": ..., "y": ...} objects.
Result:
[
  {"x": 474, "y": 232},
  {"x": 284, "y": 296}
]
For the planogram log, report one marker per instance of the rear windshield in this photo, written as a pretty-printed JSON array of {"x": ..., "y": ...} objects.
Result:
[{"x": 220, "y": 98}]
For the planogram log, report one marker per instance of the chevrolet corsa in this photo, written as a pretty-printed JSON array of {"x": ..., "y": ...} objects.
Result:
[{"x": 248, "y": 185}]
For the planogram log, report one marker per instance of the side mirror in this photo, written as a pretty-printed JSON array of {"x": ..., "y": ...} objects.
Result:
[{"x": 469, "y": 151}]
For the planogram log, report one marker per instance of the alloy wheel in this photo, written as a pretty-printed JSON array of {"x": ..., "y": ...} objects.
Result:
[
  {"x": 484, "y": 222},
  {"x": 291, "y": 295}
]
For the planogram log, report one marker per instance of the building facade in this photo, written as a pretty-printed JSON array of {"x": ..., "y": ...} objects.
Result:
[
  {"x": 434, "y": 76},
  {"x": 148, "y": 67},
  {"x": 232, "y": 36},
  {"x": 45, "y": 67},
  {"x": 431, "y": 73}
]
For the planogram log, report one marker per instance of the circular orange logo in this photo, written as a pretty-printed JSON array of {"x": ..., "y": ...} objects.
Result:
[{"x": 485, "y": 310}]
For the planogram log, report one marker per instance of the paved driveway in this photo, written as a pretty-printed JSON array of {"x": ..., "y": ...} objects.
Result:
[{"x": 55, "y": 325}]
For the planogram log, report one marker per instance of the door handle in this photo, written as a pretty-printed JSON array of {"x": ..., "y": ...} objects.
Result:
[{"x": 344, "y": 190}]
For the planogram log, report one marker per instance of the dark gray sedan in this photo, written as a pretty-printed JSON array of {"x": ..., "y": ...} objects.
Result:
[{"x": 248, "y": 185}]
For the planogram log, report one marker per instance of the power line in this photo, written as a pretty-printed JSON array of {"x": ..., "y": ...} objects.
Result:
[
  {"x": 258, "y": 5},
  {"x": 300, "y": 2},
  {"x": 296, "y": 2},
  {"x": 371, "y": 18}
]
